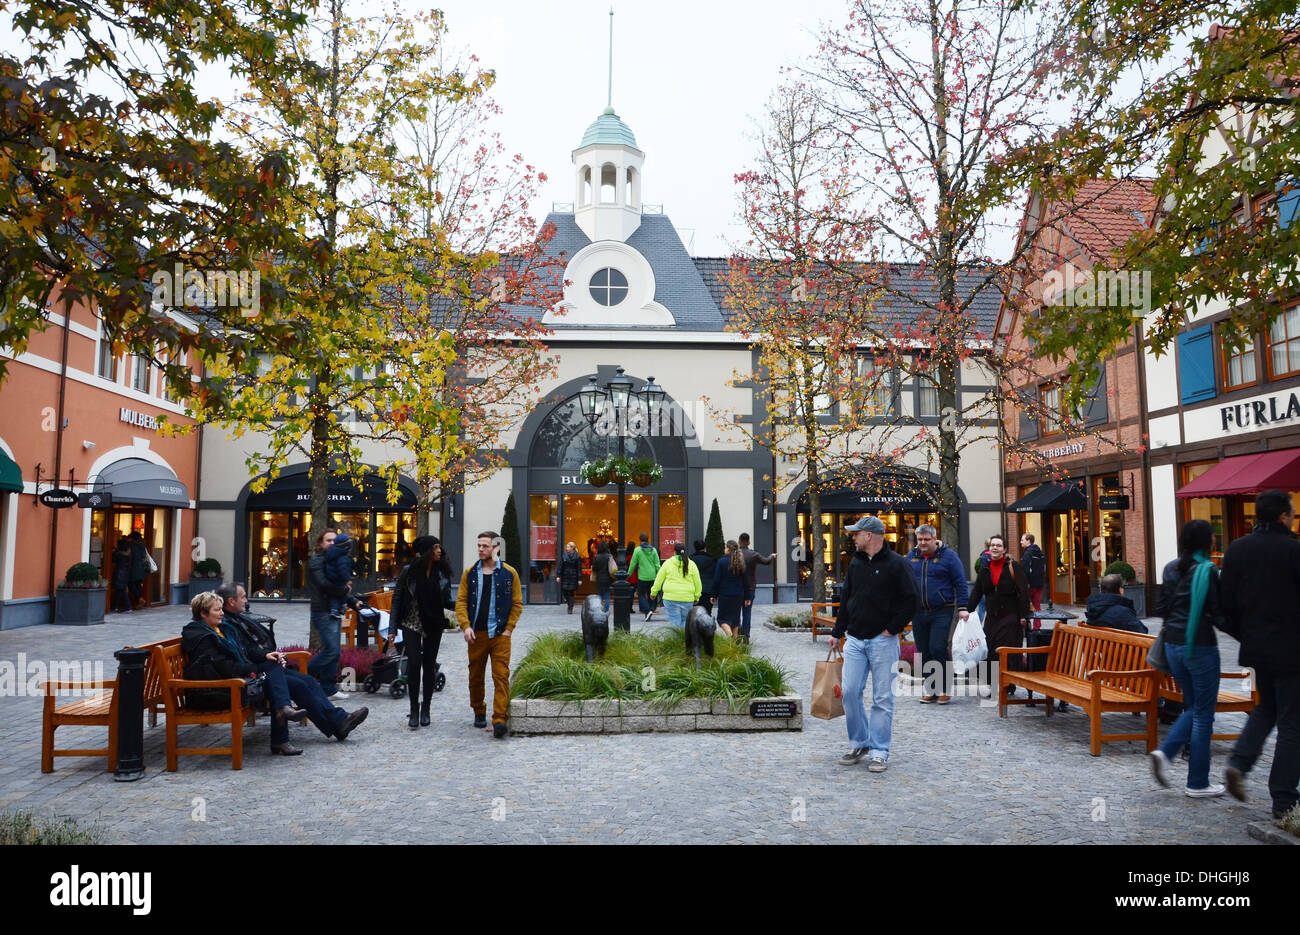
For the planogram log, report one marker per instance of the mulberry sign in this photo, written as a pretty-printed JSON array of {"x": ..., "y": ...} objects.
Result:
[{"x": 141, "y": 419}]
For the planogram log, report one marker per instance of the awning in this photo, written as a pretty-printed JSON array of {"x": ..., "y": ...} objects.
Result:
[
  {"x": 1267, "y": 470},
  {"x": 134, "y": 480},
  {"x": 11, "y": 476},
  {"x": 1051, "y": 498}
]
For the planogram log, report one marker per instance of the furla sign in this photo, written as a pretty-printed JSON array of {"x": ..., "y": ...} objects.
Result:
[{"x": 1240, "y": 417}]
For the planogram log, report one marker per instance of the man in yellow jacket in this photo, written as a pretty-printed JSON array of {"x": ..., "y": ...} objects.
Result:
[
  {"x": 488, "y": 606},
  {"x": 679, "y": 580}
]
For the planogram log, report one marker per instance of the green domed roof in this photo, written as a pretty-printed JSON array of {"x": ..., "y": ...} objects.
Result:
[{"x": 610, "y": 130}]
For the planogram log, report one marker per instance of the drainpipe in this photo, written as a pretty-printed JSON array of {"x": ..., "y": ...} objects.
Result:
[
  {"x": 1149, "y": 534},
  {"x": 58, "y": 453}
]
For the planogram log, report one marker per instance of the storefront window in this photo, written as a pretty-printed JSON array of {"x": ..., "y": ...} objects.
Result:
[
  {"x": 1211, "y": 509},
  {"x": 543, "y": 528},
  {"x": 837, "y": 545},
  {"x": 672, "y": 524},
  {"x": 1110, "y": 525},
  {"x": 268, "y": 567},
  {"x": 394, "y": 533}
]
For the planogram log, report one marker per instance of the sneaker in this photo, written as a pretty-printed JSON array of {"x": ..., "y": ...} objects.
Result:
[
  {"x": 1160, "y": 767},
  {"x": 1208, "y": 792},
  {"x": 499, "y": 731},
  {"x": 480, "y": 720},
  {"x": 876, "y": 765},
  {"x": 853, "y": 756},
  {"x": 349, "y": 723},
  {"x": 1235, "y": 780},
  {"x": 944, "y": 699},
  {"x": 929, "y": 699},
  {"x": 648, "y": 616}
]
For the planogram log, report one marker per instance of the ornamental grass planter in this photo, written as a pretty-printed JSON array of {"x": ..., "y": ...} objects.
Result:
[{"x": 79, "y": 607}]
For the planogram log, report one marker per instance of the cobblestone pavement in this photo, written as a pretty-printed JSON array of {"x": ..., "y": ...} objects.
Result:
[{"x": 956, "y": 774}]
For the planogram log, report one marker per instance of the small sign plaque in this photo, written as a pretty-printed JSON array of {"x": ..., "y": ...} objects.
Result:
[
  {"x": 767, "y": 710},
  {"x": 58, "y": 498},
  {"x": 1113, "y": 501},
  {"x": 95, "y": 500}
]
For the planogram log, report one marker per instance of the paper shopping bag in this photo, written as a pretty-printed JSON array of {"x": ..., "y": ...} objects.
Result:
[{"x": 827, "y": 695}]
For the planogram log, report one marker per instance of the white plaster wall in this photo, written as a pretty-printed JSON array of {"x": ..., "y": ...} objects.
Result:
[
  {"x": 1164, "y": 519},
  {"x": 485, "y": 503},
  {"x": 1162, "y": 380},
  {"x": 1166, "y": 431},
  {"x": 217, "y": 529},
  {"x": 735, "y": 495}
]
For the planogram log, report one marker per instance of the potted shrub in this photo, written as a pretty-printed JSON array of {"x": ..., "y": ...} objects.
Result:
[
  {"x": 79, "y": 598},
  {"x": 205, "y": 576},
  {"x": 645, "y": 472},
  {"x": 1134, "y": 590}
]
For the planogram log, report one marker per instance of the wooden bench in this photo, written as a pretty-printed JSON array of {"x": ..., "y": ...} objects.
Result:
[
  {"x": 99, "y": 710},
  {"x": 1097, "y": 669},
  {"x": 826, "y": 618},
  {"x": 171, "y": 663}
]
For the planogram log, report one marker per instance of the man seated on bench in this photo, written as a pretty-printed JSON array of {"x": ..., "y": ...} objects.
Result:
[
  {"x": 1110, "y": 608},
  {"x": 254, "y": 644}
]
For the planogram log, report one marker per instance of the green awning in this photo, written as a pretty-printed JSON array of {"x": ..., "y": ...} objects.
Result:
[{"x": 11, "y": 477}]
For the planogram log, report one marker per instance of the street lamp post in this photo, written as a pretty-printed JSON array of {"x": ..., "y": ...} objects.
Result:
[{"x": 614, "y": 398}]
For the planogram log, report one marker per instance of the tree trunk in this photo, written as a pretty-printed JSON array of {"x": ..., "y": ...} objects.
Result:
[
  {"x": 319, "y": 466},
  {"x": 816, "y": 531}
]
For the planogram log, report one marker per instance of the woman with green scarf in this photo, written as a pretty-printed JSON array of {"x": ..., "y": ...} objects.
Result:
[{"x": 1189, "y": 604}]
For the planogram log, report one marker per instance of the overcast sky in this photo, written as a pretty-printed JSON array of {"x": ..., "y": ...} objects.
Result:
[{"x": 688, "y": 79}]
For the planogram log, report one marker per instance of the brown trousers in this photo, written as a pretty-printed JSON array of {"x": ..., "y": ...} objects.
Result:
[{"x": 498, "y": 648}]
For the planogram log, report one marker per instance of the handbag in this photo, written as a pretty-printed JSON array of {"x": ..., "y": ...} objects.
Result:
[
  {"x": 254, "y": 691},
  {"x": 1156, "y": 654},
  {"x": 148, "y": 560},
  {"x": 827, "y": 692}
]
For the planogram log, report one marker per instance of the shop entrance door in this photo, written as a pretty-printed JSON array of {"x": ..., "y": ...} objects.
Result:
[
  {"x": 589, "y": 519},
  {"x": 108, "y": 527},
  {"x": 1067, "y": 557}
]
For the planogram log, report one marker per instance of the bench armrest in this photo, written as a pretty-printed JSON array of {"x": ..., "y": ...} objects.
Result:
[
  {"x": 1234, "y": 675},
  {"x": 299, "y": 658},
  {"x": 1005, "y": 651},
  {"x": 1093, "y": 675}
]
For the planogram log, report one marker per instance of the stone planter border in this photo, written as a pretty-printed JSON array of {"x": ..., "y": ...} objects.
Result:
[
  {"x": 612, "y": 716},
  {"x": 79, "y": 607},
  {"x": 776, "y": 629}
]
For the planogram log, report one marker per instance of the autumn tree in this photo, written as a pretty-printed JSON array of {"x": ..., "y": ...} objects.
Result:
[
  {"x": 359, "y": 205},
  {"x": 929, "y": 96},
  {"x": 114, "y": 170},
  {"x": 1200, "y": 95},
  {"x": 489, "y": 306}
]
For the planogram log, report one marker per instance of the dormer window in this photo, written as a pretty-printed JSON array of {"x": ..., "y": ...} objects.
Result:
[{"x": 608, "y": 287}]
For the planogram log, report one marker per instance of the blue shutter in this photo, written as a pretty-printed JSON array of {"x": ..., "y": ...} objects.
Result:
[
  {"x": 1287, "y": 202},
  {"x": 1095, "y": 410},
  {"x": 1196, "y": 364},
  {"x": 1028, "y": 424}
]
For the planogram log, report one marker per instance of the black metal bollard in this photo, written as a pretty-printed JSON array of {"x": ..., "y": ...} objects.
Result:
[
  {"x": 621, "y": 595},
  {"x": 130, "y": 713}
]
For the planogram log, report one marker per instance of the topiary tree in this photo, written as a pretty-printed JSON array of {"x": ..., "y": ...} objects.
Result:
[
  {"x": 714, "y": 541},
  {"x": 1123, "y": 569},
  {"x": 510, "y": 533}
]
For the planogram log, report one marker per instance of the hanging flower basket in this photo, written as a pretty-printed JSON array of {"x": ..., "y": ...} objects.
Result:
[
  {"x": 645, "y": 473},
  {"x": 596, "y": 473}
]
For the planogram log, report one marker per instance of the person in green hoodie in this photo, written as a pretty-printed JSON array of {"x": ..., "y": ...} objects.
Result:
[
  {"x": 679, "y": 582},
  {"x": 645, "y": 562}
]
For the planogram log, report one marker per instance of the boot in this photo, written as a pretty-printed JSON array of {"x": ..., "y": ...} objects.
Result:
[
  {"x": 413, "y": 722},
  {"x": 424, "y": 713}
]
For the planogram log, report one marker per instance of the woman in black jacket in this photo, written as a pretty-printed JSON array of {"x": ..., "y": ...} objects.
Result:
[
  {"x": 601, "y": 575},
  {"x": 1190, "y": 607},
  {"x": 423, "y": 592},
  {"x": 705, "y": 563},
  {"x": 211, "y": 653},
  {"x": 122, "y": 577},
  {"x": 570, "y": 575},
  {"x": 731, "y": 589},
  {"x": 1001, "y": 583}
]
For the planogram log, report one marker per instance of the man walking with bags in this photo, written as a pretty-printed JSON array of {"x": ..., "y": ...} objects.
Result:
[
  {"x": 878, "y": 600},
  {"x": 1260, "y": 592},
  {"x": 941, "y": 585}
]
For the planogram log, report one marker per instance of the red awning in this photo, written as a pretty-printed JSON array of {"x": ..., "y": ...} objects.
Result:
[{"x": 1248, "y": 474}]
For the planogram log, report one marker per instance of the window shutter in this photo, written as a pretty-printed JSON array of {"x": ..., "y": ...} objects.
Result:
[
  {"x": 1028, "y": 424},
  {"x": 1287, "y": 202},
  {"x": 1196, "y": 364},
  {"x": 1096, "y": 411}
]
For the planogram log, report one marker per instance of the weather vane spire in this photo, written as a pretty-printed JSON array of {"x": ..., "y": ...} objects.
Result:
[{"x": 609, "y": 104}]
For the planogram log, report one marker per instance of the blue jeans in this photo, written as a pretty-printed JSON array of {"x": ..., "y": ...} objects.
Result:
[
  {"x": 931, "y": 629},
  {"x": 1198, "y": 680},
  {"x": 604, "y": 596},
  {"x": 879, "y": 658},
  {"x": 324, "y": 666},
  {"x": 283, "y": 684},
  {"x": 677, "y": 611},
  {"x": 746, "y": 611},
  {"x": 643, "y": 600}
]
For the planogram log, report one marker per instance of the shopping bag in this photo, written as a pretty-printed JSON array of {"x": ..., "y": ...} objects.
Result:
[
  {"x": 969, "y": 645},
  {"x": 827, "y": 694}
]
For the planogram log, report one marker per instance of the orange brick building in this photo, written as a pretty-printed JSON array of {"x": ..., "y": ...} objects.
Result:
[
  {"x": 1082, "y": 492},
  {"x": 75, "y": 416}
]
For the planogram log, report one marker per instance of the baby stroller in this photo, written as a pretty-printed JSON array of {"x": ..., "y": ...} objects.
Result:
[{"x": 390, "y": 669}]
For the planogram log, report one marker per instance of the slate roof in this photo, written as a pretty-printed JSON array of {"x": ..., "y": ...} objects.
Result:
[{"x": 907, "y": 290}]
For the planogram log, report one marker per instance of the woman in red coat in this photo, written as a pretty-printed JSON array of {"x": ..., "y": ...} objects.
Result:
[{"x": 1002, "y": 582}]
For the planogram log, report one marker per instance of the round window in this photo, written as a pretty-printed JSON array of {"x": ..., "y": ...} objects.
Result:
[{"x": 609, "y": 286}]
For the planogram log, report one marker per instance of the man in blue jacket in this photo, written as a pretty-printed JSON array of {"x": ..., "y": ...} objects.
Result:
[{"x": 941, "y": 586}]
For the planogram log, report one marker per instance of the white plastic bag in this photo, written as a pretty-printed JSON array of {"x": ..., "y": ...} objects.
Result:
[{"x": 969, "y": 645}]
